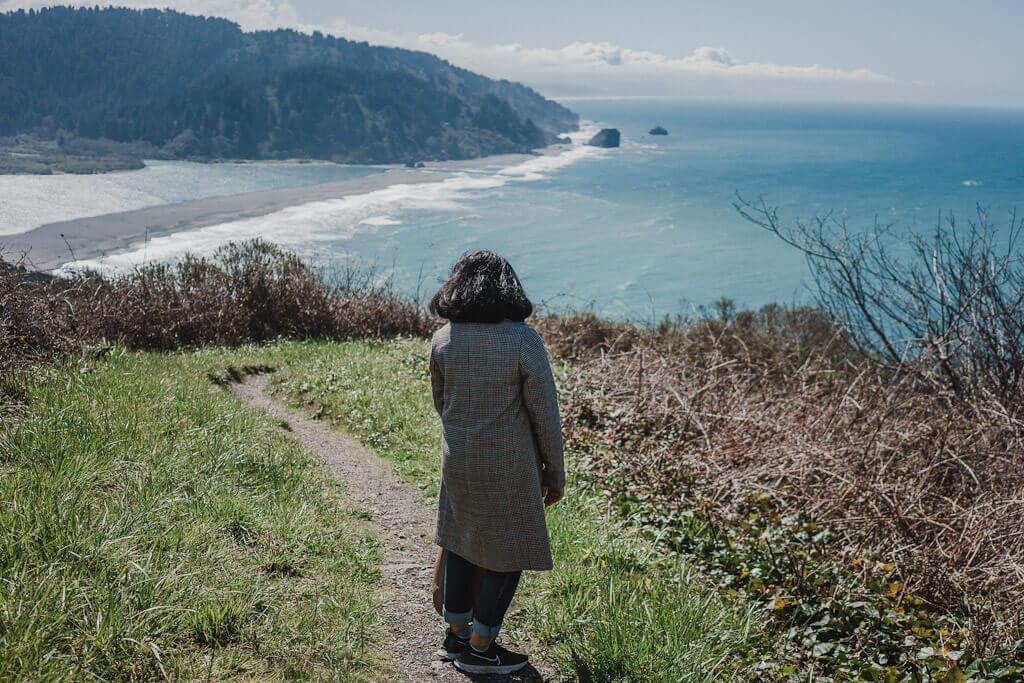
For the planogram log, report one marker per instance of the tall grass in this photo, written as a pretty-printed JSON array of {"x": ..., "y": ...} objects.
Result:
[
  {"x": 153, "y": 528},
  {"x": 618, "y": 608}
]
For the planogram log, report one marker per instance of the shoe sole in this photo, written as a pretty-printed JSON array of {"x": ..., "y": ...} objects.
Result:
[
  {"x": 446, "y": 655},
  {"x": 488, "y": 668}
]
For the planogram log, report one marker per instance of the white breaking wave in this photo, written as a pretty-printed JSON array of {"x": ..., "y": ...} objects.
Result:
[
  {"x": 28, "y": 201},
  {"x": 297, "y": 227},
  {"x": 379, "y": 221}
]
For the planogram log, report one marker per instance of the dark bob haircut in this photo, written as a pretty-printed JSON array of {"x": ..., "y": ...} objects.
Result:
[{"x": 482, "y": 288}]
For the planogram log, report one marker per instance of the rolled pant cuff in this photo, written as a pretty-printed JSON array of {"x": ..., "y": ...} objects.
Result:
[
  {"x": 458, "y": 618},
  {"x": 485, "y": 630}
]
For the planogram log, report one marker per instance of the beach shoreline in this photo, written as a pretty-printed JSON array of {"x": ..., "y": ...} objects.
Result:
[{"x": 50, "y": 246}]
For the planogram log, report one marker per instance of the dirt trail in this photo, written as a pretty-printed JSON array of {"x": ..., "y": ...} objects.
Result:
[{"x": 405, "y": 525}]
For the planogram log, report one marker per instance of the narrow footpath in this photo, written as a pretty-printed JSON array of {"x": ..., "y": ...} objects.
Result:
[{"x": 405, "y": 527}]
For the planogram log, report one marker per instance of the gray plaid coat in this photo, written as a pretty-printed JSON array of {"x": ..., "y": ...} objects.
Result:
[{"x": 502, "y": 437}]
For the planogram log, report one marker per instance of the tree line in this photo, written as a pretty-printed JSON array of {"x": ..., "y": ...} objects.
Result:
[{"x": 198, "y": 87}]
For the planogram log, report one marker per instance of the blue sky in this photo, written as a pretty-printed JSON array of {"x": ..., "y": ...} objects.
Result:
[{"x": 868, "y": 50}]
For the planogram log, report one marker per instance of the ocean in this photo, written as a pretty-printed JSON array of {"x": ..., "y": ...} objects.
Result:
[{"x": 641, "y": 231}]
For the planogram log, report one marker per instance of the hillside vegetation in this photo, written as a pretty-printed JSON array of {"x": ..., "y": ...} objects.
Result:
[
  {"x": 196, "y": 539},
  {"x": 868, "y": 515},
  {"x": 192, "y": 87}
]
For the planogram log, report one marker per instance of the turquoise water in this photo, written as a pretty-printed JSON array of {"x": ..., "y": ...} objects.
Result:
[{"x": 649, "y": 229}]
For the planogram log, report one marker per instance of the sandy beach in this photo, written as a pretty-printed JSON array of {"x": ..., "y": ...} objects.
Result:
[{"x": 54, "y": 244}]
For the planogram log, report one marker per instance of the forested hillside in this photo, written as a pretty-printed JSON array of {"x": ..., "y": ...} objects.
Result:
[{"x": 196, "y": 87}]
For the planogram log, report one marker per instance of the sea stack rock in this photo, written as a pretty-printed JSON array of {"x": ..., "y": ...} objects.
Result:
[
  {"x": 606, "y": 137},
  {"x": 657, "y": 130}
]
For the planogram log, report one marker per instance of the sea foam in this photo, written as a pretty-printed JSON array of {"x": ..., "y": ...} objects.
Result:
[
  {"x": 28, "y": 201},
  {"x": 380, "y": 220},
  {"x": 299, "y": 227}
]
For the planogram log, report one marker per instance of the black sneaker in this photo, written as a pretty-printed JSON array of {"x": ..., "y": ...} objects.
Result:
[
  {"x": 494, "y": 660},
  {"x": 453, "y": 645}
]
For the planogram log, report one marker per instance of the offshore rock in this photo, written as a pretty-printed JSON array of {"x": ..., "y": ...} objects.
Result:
[{"x": 606, "y": 137}]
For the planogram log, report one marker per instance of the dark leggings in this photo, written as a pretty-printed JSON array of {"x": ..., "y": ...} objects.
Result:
[{"x": 496, "y": 591}]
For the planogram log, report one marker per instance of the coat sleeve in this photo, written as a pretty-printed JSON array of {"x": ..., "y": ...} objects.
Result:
[
  {"x": 541, "y": 401},
  {"x": 436, "y": 382}
]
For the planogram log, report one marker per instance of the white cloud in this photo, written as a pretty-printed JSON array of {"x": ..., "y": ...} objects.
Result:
[
  {"x": 607, "y": 58},
  {"x": 574, "y": 69},
  {"x": 591, "y": 68}
]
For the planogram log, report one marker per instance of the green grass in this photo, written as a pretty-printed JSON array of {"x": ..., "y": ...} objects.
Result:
[
  {"x": 150, "y": 526},
  {"x": 616, "y": 607}
]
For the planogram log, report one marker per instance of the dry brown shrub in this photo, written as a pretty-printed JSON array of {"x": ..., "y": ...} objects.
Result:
[
  {"x": 251, "y": 291},
  {"x": 34, "y": 321},
  {"x": 776, "y": 401}
]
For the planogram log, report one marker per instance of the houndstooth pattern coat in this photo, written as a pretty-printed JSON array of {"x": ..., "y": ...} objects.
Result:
[{"x": 501, "y": 439}]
